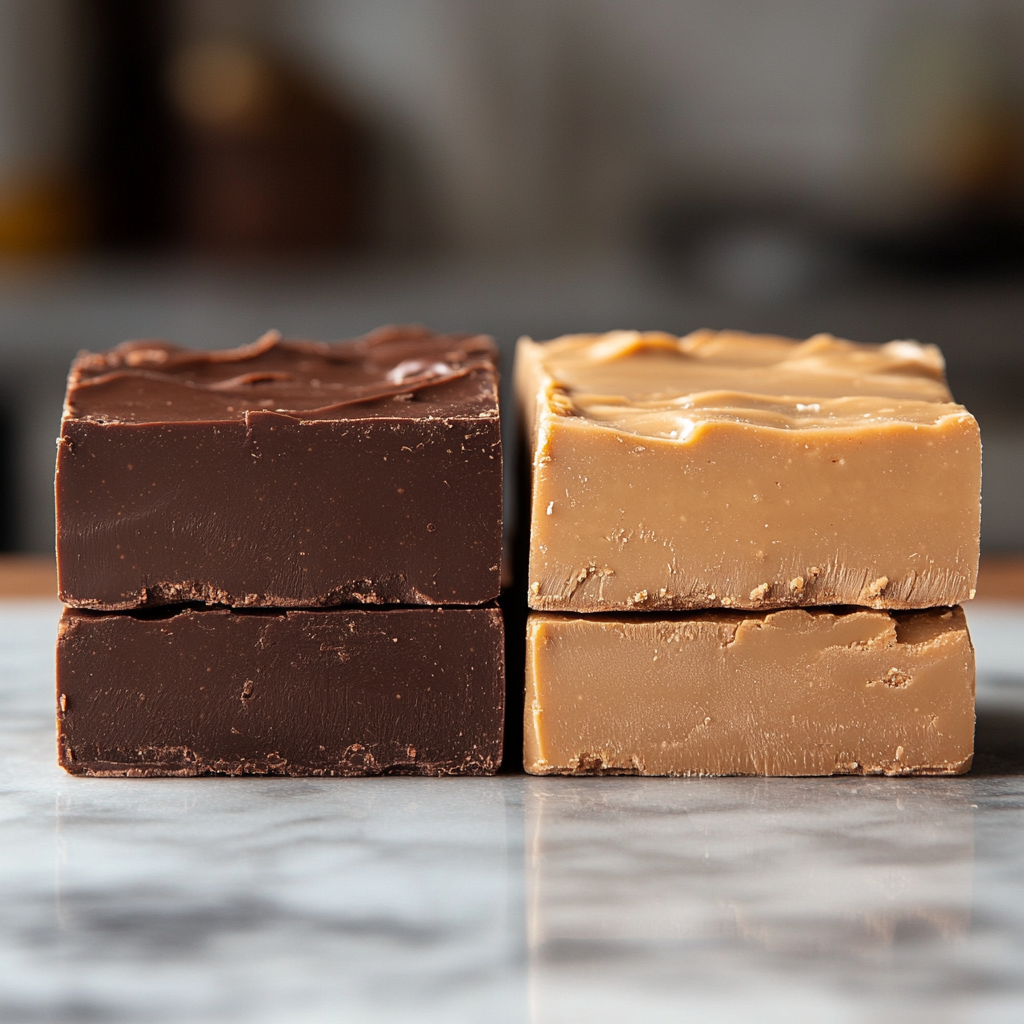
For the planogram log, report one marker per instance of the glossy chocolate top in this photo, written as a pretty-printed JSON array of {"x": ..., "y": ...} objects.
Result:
[{"x": 403, "y": 372}]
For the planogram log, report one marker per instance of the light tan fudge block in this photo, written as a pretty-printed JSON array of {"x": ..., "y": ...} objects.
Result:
[
  {"x": 792, "y": 692},
  {"x": 743, "y": 471}
]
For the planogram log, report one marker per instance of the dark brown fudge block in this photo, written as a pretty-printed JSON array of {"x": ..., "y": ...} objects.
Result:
[
  {"x": 282, "y": 474},
  {"x": 416, "y": 691}
]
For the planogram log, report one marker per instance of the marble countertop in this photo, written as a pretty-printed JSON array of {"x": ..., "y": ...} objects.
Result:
[{"x": 510, "y": 899}]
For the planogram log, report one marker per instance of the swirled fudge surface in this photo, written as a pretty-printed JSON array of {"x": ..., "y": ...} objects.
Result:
[
  {"x": 282, "y": 474},
  {"x": 731, "y": 470}
]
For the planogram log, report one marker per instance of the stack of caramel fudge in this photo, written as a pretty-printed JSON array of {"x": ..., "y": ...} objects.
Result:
[
  {"x": 281, "y": 558},
  {"x": 747, "y": 556}
]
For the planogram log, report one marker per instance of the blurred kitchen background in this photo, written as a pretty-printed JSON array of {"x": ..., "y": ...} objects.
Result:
[{"x": 203, "y": 170}]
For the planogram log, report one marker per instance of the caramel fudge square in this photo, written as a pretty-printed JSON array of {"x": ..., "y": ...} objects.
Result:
[
  {"x": 821, "y": 691},
  {"x": 728, "y": 470}
]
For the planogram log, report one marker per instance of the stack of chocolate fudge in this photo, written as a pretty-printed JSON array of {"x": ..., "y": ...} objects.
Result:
[
  {"x": 281, "y": 559},
  {"x": 747, "y": 556}
]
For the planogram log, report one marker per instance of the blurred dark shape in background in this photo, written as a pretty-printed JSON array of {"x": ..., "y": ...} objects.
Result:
[
  {"x": 752, "y": 147},
  {"x": 8, "y": 472},
  {"x": 956, "y": 103},
  {"x": 132, "y": 160},
  {"x": 269, "y": 160},
  {"x": 933, "y": 182},
  {"x": 747, "y": 252},
  {"x": 43, "y": 202},
  {"x": 214, "y": 144}
]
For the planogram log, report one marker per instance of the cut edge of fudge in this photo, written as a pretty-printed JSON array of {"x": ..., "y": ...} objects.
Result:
[
  {"x": 786, "y": 693},
  {"x": 339, "y": 692}
]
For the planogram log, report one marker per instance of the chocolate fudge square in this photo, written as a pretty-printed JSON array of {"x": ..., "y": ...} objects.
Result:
[
  {"x": 342, "y": 691},
  {"x": 288, "y": 474}
]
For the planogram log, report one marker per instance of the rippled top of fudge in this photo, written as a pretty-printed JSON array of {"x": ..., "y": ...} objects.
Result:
[
  {"x": 393, "y": 372},
  {"x": 659, "y": 385}
]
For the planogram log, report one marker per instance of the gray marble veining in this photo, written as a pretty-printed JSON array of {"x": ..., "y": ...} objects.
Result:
[{"x": 509, "y": 899}]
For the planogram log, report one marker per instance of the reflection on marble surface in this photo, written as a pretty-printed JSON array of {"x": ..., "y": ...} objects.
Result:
[
  {"x": 509, "y": 899},
  {"x": 746, "y": 898}
]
